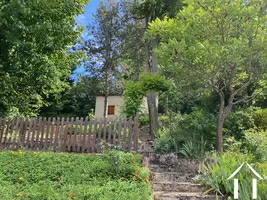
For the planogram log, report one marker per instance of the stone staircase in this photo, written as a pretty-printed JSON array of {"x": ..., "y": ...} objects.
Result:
[{"x": 172, "y": 178}]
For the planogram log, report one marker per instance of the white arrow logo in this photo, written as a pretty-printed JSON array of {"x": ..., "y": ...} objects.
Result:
[{"x": 254, "y": 182}]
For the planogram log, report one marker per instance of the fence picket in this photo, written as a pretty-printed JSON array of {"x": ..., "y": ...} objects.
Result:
[
  {"x": 105, "y": 130},
  {"x": 14, "y": 137},
  {"x": 124, "y": 134},
  {"x": 61, "y": 134},
  {"x": 74, "y": 141},
  {"x": 99, "y": 136},
  {"x": 6, "y": 132},
  {"x": 47, "y": 131},
  {"x": 33, "y": 136},
  {"x": 85, "y": 135},
  {"x": 130, "y": 124},
  {"x": 11, "y": 134},
  {"x": 90, "y": 137},
  {"x": 114, "y": 133},
  {"x": 94, "y": 136},
  {"x": 109, "y": 132},
  {"x": 27, "y": 136},
  {"x": 65, "y": 136},
  {"x": 39, "y": 127},
  {"x": 56, "y": 134},
  {"x": 2, "y": 131},
  {"x": 41, "y": 144},
  {"x": 70, "y": 134},
  {"x": 119, "y": 132}
]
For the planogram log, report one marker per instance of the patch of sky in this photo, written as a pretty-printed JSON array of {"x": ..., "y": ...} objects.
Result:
[{"x": 85, "y": 19}]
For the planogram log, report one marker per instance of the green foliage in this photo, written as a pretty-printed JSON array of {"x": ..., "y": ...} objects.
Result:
[
  {"x": 222, "y": 44},
  {"x": 34, "y": 175},
  {"x": 34, "y": 58},
  {"x": 164, "y": 121},
  {"x": 133, "y": 98},
  {"x": 91, "y": 114},
  {"x": 260, "y": 118},
  {"x": 78, "y": 100},
  {"x": 154, "y": 83},
  {"x": 216, "y": 173},
  {"x": 134, "y": 92},
  {"x": 189, "y": 134},
  {"x": 238, "y": 122},
  {"x": 195, "y": 126},
  {"x": 194, "y": 149},
  {"x": 166, "y": 143},
  {"x": 143, "y": 120},
  {"x": 157, "y": 8},
  {"x": 255, "y": 142}
]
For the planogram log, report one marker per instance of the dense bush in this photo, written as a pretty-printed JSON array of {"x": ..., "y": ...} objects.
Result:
[
  {"x": 189, "y": 134},
  {"x": 255, "y": 142},
  {"x": 260, "y": 118},
  {"x": 216, "y": 173},
  {"x": 237, "y": 122},
  {"x": 166, "y": 143},
  {"x": 115, "y": 175}
]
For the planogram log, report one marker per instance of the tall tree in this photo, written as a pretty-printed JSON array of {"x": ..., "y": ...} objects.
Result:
[
  {"x": 149, "y": 10},
  {"x": 34, "y": 61},
  {"x": 224, "y": 42},
  {"x": 103, "y": 45},
  {"x": 133, "y": 46}
]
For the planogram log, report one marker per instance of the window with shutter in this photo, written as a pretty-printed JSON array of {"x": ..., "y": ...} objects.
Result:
[{"x": 111, "y": 110}]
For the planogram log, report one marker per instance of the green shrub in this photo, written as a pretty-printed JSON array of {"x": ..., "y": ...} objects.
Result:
[
  {"x": 237, "y": 122},
  {"x": 195, "y": 126},
  {"x": 166, "y": 144},
  {"x": 215, "y": 175},
  {"x": 193, "y": 149},
  {"x": 189, "y": 135},
  {"x": 260, "y": 118},
  {"x": 255, "y": 142},
  {"x": 164, "y": 121},
  {"x": 32, "y": 175},
  {"x": 143, "y": 120}
]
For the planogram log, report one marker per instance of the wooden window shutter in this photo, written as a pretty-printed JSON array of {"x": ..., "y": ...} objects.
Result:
[{"x": 111, "y": 110}]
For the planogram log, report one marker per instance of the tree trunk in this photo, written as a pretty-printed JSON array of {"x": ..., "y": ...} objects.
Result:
[
  {"x": 147, "y": 50},
  {"x": 223, "y": 113},
  {"x": 105, "y": 114},
  {"x": 152, "y": 98},
  {"x": 219, "y": 133},
  {"x": 220, "y": 122}
]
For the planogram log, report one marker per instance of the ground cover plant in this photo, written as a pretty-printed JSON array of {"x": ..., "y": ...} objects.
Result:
[{"x": 47, "y": 175}]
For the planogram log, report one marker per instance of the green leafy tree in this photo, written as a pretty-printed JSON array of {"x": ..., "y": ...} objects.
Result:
[
  {"x": 149, "y": 10},
  {"x": 103, "y": 46},
  {"x": 224, "y": 43},
  {"x": 34, "y": 61}
]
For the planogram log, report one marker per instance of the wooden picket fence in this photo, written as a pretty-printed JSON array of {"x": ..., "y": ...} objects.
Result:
[{"x": 68, "y": 134}]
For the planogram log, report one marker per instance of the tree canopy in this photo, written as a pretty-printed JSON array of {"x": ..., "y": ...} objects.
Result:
[
  {"x": 221, "y": 41},
  {"x": 34, "y": 59}
]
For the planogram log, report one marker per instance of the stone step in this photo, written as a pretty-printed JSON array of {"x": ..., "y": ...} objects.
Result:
[
  {"x": 163, "y": 195},
  {"x": 171, "y": 186},
  {"x": 172, "y": 176},
  {"x": 173, "y": 168}
]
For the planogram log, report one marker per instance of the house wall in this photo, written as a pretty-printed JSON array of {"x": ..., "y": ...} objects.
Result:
[{"x": 117, "y": 101}]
